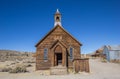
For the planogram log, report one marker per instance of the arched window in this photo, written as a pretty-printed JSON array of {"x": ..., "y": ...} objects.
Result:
[
  {"x": 45, "y": 54},
  {"x": 71, "y": 52}
]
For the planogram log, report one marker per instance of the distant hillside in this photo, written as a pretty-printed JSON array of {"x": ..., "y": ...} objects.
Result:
[{"x": 10, "y": 55}]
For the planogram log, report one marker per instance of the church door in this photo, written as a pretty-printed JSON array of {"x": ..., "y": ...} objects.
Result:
[
  {"x": 59, "y": 58},
  {"x": 59, "y": 55}
]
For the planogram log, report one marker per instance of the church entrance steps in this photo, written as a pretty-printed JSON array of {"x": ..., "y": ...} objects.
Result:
[{"x": 58, "y": 70}]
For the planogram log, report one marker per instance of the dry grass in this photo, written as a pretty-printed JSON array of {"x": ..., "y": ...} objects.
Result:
[
  {"x": 6, "y": 69},
  {"x": 99, "y": 70},
  {"x": 19, "y": 69}
]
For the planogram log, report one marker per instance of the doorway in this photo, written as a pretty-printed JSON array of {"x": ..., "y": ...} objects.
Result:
[{"x": 59, "y": 58}]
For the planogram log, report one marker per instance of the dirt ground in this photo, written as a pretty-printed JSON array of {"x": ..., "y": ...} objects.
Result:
[{"x": 98, "y": 70}]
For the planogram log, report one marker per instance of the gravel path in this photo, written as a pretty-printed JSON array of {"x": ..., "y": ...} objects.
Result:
[{"x": 99, "y": 70}]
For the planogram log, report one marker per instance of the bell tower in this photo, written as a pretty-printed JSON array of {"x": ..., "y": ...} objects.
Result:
[{"x": 57, "y": 18}]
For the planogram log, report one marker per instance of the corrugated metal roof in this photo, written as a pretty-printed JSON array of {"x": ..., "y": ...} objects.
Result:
[{"x": 115, "y": 47}]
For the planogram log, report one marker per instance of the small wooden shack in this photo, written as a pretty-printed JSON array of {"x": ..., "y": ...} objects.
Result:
[{"x": 60, "y": 51}]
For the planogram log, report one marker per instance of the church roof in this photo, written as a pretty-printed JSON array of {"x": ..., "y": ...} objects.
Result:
[{"x": 52, "y": 31}]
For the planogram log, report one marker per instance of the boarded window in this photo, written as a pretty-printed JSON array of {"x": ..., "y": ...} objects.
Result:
[
  {"x": 45, "y": 54},
  {"x": 71, "y": 53}
]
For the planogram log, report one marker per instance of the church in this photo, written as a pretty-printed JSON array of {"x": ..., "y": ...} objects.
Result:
[{"x": 60, "y": 51}]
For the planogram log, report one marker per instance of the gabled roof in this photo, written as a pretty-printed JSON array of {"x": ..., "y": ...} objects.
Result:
[
  {"x": 52, "y": 31},
  {"x": 117, "y": 47}
]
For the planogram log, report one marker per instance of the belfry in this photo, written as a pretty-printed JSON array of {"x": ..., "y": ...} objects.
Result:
[{"x": 57, "y": 18}]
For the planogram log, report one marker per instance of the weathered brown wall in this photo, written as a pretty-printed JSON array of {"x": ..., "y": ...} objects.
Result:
[
  {"x": 57, "y": 34},
  {"x": 82, "y": 65}
]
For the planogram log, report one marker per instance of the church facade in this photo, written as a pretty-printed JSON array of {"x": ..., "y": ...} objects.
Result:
[{"x": 60, "y": 50}]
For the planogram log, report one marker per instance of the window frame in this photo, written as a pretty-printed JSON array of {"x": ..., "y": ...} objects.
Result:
[
  {"x": 45, "y": 53},
  {"x": 71, "y": 56}
]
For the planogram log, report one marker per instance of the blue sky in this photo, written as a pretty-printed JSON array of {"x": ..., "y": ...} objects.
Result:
[{"x": 93, "y": 22}]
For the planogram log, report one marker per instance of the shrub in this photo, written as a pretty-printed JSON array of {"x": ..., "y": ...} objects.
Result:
[
  {"x": 28, "y": 65},
  {"x": 30, "y": 61},
  {"x": 19, "y": 69},
  {"x": 6, "y": 69},
  {"x": 104, "y": 60}
]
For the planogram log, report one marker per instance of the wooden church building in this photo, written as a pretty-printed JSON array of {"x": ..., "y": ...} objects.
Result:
[{"x": 59, "y": 50}]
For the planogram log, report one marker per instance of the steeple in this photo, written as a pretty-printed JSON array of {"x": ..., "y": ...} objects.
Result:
[{"x": 57, "y": 18}]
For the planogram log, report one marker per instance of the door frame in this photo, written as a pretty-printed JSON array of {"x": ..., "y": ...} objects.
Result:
[{"x": 64, "y": 54}]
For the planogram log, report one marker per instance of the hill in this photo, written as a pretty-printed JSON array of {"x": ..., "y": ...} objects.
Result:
[{"x": 11, "y": 55}]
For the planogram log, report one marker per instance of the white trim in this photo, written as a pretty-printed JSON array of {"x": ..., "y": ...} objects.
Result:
[{"x": 57, "y": 23}]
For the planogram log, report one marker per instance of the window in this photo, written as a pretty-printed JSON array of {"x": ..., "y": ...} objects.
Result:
[
  {"x": 71, "y": 53},
  {"x": 45, "y": 54}
]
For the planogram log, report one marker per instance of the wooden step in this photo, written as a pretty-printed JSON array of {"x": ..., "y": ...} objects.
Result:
[{"x": 58, "y": 70}]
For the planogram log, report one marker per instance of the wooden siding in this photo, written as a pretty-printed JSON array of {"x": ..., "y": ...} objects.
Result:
[
  {"x": 59, "y": 41},
  {"x": 82, "y": 65}
]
